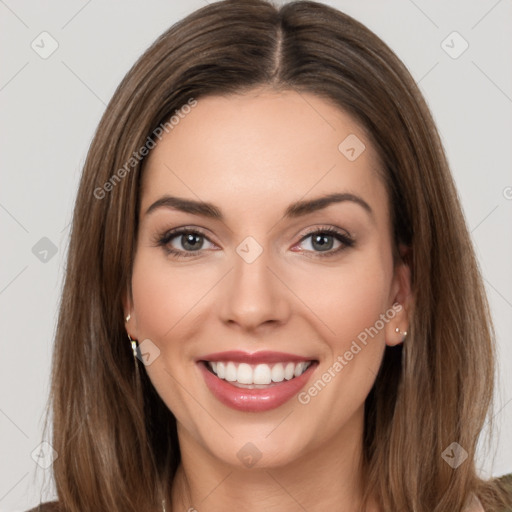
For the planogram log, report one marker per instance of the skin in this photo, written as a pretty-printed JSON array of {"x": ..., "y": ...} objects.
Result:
[{"x": 252, "y": 155}]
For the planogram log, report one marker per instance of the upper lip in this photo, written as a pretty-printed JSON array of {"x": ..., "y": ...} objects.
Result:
[{"x": 263, "y": 356}]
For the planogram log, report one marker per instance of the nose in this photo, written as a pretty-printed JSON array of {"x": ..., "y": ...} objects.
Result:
[{"x": 253, "y": 296}]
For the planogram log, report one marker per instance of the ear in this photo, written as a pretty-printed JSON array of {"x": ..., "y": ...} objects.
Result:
[{"x": 400, "y": 300}]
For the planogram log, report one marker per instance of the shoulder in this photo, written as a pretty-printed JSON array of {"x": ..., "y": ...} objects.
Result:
[
  {"x": 504, "y": 483},
  {"x": 496, "y": 494},
  {"x": 49, "y": 506}
]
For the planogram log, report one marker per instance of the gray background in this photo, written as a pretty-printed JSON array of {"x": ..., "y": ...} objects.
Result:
[{"x": 49, "y": 111}]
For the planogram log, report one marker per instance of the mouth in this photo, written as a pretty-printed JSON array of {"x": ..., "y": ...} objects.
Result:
[{"x": 255, "y": 382}]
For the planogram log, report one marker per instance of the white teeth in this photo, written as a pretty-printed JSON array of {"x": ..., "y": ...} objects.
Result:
[
  {"x": 277, "y": 373},
  {"x": 244, "y": 374},
  {"x": 262, "y": 374},
  {"x": 221, "y": 370},
  {"x": 230, "y": 372},
  {"x": 289, "y": 371},
  {"x": 259, "y": 374},
  {"x": 299, "y": 369}
]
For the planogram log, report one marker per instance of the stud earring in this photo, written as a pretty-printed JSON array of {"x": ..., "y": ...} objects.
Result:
[
  {"x": 404, "y": 334},
  {"x": 127, "y": 319}
]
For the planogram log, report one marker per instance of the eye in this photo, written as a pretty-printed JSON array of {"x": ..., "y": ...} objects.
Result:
[
  {"x": 322, "y": 241},
  {"x": 182, "y": 242}
]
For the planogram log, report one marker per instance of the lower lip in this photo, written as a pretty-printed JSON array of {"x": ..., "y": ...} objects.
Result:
[{"x": 255, "y": 400}]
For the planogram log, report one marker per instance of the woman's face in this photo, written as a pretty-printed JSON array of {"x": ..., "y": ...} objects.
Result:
[{"x": 256, "y": 278}]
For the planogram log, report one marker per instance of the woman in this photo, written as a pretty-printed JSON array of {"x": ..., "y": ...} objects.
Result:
[{"x": 271, "y": 299}]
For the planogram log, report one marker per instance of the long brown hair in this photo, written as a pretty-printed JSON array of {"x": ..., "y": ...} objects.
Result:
[{"x": 115, "y": 438}]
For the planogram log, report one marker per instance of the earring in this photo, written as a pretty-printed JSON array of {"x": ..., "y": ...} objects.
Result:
[
  {"x": 403, "y": 333},
  {"x": 133, "y": 343},
  {"x": 135, "y": 362},
  {"x": 134, "y": 346}
]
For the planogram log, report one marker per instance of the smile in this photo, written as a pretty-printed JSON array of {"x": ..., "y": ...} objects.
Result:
[{"x": 255, "y": 382}]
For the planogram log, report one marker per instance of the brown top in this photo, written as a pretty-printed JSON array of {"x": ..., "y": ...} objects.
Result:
[
  {"x": 505, "y": 482},
  {"x": 49, "y": 506}
]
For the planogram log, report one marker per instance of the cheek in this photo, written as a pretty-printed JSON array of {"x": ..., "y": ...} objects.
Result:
[
  {"x": 363, "y": 298},
  {"x": 352, "y": 304},
  {"x": 349, "y": 297},
  {"x": 165, "y": 302},
  {"x": 164, "y": 297}
]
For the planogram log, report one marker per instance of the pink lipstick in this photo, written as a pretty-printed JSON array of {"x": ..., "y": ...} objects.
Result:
[{"x": 255, "y": 382}]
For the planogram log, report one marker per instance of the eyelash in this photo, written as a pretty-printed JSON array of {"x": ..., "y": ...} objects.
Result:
[{"x": 164, "y": 239}]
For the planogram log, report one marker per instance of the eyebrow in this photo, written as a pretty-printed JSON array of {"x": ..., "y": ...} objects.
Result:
[{"x": 294, "y": 210}]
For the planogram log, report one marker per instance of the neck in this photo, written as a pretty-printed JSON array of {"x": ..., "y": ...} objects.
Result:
[{"x": 326, "y": 477}]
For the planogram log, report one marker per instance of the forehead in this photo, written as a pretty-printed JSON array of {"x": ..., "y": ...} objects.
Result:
[{"x": 262, "y": 148}]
